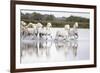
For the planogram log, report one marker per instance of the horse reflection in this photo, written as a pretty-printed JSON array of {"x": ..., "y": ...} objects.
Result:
[
  {"x": 74, "y": 46},
  {"x": 43, "y": 48},
  {"x": 28, "y": 48},
  {"x": 66, "y": 46},
  {"x": 35, "y": 48}
]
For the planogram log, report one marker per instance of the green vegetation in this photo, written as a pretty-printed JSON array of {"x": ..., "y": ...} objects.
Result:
[{"x": 56, "y": 21}]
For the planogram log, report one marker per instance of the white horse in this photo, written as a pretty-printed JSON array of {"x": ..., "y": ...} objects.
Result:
[
  {"x": 34, "y": 30},
  {"x": 46, "y": 32},
  {"x": 38, "y": 30},
  {"x": 74, "y": 31},
  {"x": 31, "y": 28},
  {"x": 63, "y": 34},
  {"x": 23, "y": 29}
]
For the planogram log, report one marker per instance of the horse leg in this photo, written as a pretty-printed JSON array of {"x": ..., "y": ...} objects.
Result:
[{"x": 76, "y": 36}]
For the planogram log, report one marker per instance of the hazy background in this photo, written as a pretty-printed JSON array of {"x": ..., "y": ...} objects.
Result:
[{"x": 57, "y": 18}]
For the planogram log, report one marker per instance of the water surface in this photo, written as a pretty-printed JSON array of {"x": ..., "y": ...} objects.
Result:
[{"x": 33, "y": 51}]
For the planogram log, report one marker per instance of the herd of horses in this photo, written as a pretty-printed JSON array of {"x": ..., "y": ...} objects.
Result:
[{"x": 38, "y": 31}]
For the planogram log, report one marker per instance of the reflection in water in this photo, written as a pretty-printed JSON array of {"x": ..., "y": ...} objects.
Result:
[
  {"x": 66, "y": 46},
  {"x": 44, "y": 49},
  {"x": 38, "y": 48}
]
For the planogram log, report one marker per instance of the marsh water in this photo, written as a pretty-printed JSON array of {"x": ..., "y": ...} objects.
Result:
[{"x": 37, "y": 51}]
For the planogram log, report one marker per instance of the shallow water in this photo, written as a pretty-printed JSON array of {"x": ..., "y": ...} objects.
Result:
[{"x": 52, "y": 51}]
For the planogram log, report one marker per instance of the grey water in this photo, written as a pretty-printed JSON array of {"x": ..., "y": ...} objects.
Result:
[{"x": 33, "y": 51}]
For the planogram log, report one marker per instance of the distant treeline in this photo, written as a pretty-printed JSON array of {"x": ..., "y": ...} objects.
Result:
[{"x": 56, "y": 21}]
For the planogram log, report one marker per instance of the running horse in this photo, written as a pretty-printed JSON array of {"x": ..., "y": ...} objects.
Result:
[
  {"x": 63, "y": 34},
  {"x": 74, "y": 32}
]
